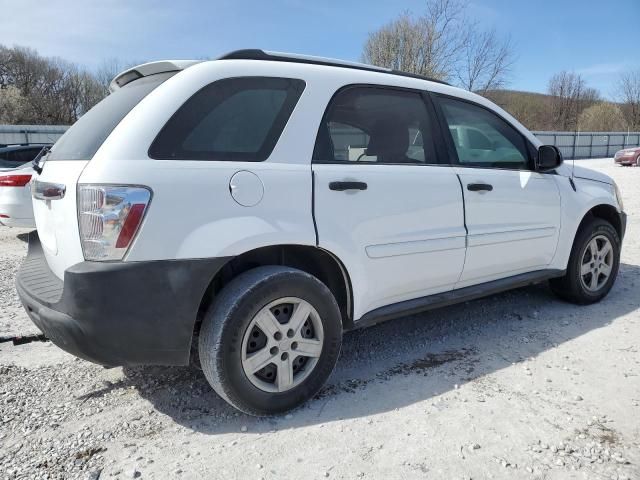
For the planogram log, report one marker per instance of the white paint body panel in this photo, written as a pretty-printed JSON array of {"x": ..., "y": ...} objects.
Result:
[
  {"x": 575, "y": 205},
  {"x": 57, "y": 220},
  {"x": 193, "y": 214},
  {"x": 512, "y": 229},
  {"x": 402, "y": 238}
]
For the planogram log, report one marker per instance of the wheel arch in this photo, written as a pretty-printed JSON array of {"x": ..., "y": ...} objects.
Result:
[
  {"x": 576, "y": 217},
  {"x": 605, "y": 212},
  {"x": 322, "y": 264}
]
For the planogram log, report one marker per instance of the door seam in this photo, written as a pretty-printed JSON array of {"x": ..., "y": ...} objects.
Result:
[
  {"x": 313, "y": 205},
  {"x": 466, "y": 236}
]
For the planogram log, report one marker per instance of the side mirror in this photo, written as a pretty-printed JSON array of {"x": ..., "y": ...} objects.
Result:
[{"x": 549, "y": 158}]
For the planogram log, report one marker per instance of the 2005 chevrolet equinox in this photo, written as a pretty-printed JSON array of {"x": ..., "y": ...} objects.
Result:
[{"x": 245, "y": 212}]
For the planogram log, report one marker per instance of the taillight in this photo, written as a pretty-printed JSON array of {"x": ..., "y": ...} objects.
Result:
[
  {"x": 14, "y": 180},
  {"x": 109, "y": 217}
]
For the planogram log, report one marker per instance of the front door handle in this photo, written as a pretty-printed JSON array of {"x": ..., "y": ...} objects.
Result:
[
  {"x": 347, "y": 185},
  {"x": 479, "y": 187}
]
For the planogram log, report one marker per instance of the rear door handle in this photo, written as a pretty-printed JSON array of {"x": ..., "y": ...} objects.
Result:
[
  {"x": 479, "y": 187},
  {"x": 347, "y": 185}
]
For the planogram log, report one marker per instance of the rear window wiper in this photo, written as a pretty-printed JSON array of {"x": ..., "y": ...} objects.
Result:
[{"x": 35, "y": 163}]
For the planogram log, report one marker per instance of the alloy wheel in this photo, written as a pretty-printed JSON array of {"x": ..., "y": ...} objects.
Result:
[
  {"x": 597, "y": 263},
  {"x": 282, "y": 345}
]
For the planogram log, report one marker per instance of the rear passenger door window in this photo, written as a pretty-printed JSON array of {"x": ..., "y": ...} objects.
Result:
[
  {"x": 237, "y": 119},
  {"x": 483, "y": 139},
  {"x": 376, "y": 125}
]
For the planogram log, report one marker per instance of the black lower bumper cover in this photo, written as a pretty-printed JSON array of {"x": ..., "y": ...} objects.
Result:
[
  {"x": 117, "y": 313},
  {"x": 623, "y": 223}
]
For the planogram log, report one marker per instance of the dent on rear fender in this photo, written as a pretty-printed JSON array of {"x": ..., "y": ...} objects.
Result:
[{"x": 234, "y": 236}]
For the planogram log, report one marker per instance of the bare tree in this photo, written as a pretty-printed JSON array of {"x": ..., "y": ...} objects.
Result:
[
  {"x": 428, "y": 45},
  {"x": 91, "y": 92},
  {"x": 486, "y": 61},
  {"x": 107, "y": 71},
  {"x": 443, "y": 43},
  {"x": 629, "y": 94},
  {"x": 531, "y": 109},
  {"x": 49, "y": 90},
  {"x": 5, "y": 66},
  {"x": 13, "y": 105},
  {"x": 570, "y": 96},
  {"x": 111, "y": 67}
]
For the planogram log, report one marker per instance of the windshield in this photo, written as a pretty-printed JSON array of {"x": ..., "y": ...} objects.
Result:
[{"x": 83, "y": 139}]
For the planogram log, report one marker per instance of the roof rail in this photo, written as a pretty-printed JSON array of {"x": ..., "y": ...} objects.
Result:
[{"x": 257, "y": 54}]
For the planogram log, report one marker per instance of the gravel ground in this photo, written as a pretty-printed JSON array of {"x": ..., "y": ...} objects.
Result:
[{"x": 518, "y": 385}]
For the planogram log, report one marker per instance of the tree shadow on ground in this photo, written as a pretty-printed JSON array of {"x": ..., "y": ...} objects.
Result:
[{"x": 436, "y": 350}]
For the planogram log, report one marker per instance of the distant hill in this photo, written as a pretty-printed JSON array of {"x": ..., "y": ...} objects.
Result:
[
  {"x": 531, "y": 109},
  {"x": 505, "y": 93},
  {"x": 536, "y": 110}
]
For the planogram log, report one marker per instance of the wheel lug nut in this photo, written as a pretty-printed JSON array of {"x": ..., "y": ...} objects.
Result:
[
  {"x": 284, "y": 356},
  {"x": 277, "y": 336},
  {"x": 273, "y": 351},
  {"x": 290, "y": 333},
  {"x": 294, "y": 345}
]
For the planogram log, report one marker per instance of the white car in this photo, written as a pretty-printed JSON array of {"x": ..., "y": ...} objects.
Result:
[
  {"x": 16, "y": 208},
  {"x": 211, "y": 210}
]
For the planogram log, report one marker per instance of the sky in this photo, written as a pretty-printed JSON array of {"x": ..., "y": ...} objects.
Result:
[{"x": 595, "y": 38}]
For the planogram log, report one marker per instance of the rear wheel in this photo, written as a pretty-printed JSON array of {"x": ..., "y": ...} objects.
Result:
[
  {"x": 270, "y": 340},
  {"x": 593, "y": 264}
]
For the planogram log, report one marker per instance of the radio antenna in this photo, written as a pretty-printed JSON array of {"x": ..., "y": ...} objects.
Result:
[{"x": 575, "y": 148}]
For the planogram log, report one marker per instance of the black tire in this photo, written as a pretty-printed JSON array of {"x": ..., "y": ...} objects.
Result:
[
  {"x": 570, "y": 287},
  {"x": 224, "y": 325}
]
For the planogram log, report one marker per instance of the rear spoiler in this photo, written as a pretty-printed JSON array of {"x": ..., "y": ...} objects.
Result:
[{"x": 147, "y": 69}]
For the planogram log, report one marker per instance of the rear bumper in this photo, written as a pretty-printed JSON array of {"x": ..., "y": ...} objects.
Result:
[
  {"x": 117, "y": 313},
  {"x": 15, "y": 207}
]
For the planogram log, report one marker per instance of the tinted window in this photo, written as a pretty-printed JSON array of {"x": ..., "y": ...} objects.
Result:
[
  {"x": 232, "y": 119},
  {"x": 482, "y": 138},
  {"x": 19, "y": 156},
  {"x": 7, "y": 155},
  {"x": 375, "y": 125},
  {"x": 84, "y": 138},
  {"x": 7, "y": 164},
  {"x": 27, "y": 154}
]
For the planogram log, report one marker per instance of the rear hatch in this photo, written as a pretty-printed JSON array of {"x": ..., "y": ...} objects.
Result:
[{"x": 55, "y": 211}]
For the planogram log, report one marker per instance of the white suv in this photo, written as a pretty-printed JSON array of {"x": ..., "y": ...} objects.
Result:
[{"x": 247, "y": 211}]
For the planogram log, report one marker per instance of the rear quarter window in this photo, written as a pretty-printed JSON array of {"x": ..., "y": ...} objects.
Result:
[
  {"x": 85, "y": 137},
  {"x": 237, "y": 119}
]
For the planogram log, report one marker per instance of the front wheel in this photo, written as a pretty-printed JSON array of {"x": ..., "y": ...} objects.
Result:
[
  {"x": 270, "y": 340},
  {"x": 593, "y": 264}
]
